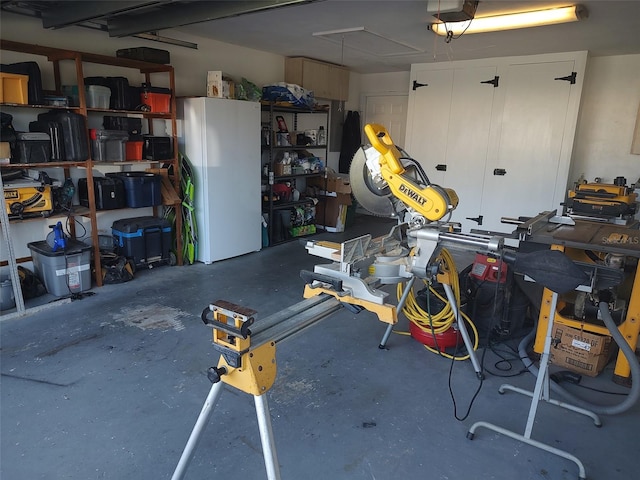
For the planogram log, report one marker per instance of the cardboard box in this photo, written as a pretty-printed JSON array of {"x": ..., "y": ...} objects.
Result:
[
  {"x": 579, "y": 351},
  {"x": 336, "y": 182},
  {"x": 331, "y": 211},
  {"x": 218, "y": 87},
  {"x": 280, "y": 169}
]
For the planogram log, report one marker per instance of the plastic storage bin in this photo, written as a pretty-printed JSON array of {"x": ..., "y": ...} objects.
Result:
[
  {"x": 143, "y": 189},
  {"x": 71, "y": 92},
  {"x": 14, "y": 88},
  {"x": 158, "y": 99},
  {"x": 32, "y": 71},
  {"x": 134, "y": 150},
  {"x": 64, "y": 271},
  {"x": 33, "y": 147},
  {"x": 108, "y": 145},
  {"x": 120, "y": 98},
  {"x": 97, "y": 96},
  {"x": 144, "y": 239},
  {"x": 7, "y": 297}
]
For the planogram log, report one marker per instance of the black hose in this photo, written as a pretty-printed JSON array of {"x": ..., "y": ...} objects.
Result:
[{"x": 634, "y": 393}]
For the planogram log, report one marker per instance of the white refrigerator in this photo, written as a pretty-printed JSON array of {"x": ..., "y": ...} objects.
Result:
[{"x": 221, "y": 139}]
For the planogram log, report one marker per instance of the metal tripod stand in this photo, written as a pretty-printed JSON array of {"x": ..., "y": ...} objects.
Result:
[
  {"x": 540, "y": 393},
  {"x": 264, "y": 424}
]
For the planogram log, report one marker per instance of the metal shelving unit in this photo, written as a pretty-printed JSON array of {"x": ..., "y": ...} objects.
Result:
[{"x": 272, "y": 206}]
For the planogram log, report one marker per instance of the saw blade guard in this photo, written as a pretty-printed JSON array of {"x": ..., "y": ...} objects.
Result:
[
  {"x": 367, "y": 185},
  {"x": 387, "y": 182}
]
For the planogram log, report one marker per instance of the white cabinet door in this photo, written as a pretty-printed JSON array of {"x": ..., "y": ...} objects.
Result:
[
  {"x": 468, "y": 140},
  {"x": 523, "y": 128},
  {"x": 428, "y": 119},
  {"x": 522, "y": 172},
  {"x": 451, "y": 113}
]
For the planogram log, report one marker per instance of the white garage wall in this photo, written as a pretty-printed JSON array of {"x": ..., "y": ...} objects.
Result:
[
  {"x": 610, "y": 99},
  {"x": 190, "y": 65}
]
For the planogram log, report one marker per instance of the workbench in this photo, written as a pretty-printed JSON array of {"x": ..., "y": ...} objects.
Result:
[{"x": 583, "y": 241}]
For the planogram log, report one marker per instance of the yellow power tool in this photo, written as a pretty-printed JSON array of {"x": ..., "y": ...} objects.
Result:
[{"x": 386, "y": 181}]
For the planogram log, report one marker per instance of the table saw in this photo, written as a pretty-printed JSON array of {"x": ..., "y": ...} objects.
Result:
[{"x": 614, "y": 251}]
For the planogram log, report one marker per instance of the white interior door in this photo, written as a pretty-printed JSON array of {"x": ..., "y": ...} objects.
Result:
[{"x": 389, "y": 111}]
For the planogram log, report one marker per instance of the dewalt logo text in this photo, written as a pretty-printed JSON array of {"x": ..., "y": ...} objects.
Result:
[{"x": 412, "y": 195}]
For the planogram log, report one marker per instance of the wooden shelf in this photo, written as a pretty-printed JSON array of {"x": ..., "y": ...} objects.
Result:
[{"x": 56, "y": 56}]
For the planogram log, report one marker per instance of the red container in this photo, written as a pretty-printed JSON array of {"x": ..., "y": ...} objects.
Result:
[
  {"x": 157, "y": 99},
  {"x": 134, "y": 150}
]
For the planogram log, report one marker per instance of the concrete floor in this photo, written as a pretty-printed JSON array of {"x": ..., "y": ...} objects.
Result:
[{"x": 110, "y": 386}]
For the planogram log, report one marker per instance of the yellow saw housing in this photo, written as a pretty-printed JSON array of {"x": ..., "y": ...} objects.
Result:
[{"x": 431, "y": 201}]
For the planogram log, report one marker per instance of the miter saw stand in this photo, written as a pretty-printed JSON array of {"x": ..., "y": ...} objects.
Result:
[
  {"x": 247, "y": 348},
  {"x": 360, "y": 266}
]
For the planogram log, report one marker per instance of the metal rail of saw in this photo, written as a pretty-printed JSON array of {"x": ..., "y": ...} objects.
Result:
[{"x": 247, "y": 362}]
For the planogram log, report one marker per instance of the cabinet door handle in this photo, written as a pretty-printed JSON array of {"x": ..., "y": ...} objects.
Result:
[
  {"x": 441, "y": 167},
  {"x": 499, "y": 171}
]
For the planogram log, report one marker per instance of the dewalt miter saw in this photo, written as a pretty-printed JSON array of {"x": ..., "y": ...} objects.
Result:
[{"x": 387, "y": 182}]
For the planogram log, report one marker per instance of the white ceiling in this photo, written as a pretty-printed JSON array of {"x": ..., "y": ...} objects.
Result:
[{"x": 612, "y": 28}]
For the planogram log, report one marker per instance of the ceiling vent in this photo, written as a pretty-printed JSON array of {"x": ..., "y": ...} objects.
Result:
[{"x": 366, "y": 41}]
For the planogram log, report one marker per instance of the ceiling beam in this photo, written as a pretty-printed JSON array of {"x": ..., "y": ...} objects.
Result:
[
  {"x": 69, "y": 13},
  {"x": 181, "y": 14}
]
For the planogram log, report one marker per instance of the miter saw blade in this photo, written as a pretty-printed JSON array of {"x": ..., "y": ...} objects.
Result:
[{"x": 370, "y": 190}]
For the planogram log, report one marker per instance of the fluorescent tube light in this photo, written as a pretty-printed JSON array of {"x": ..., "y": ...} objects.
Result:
[{"x": 513, "y": 21}]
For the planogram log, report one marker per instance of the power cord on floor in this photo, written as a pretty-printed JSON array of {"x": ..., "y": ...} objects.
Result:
[
  {"x": 441, "y": 322},
  {"x": 475, "y": 394},
  {"x": 575, "y": 379},
  {"x": 506, "y": 356}
]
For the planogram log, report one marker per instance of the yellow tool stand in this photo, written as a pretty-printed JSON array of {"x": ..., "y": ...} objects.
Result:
[
  {"x": 630, "y": 327},
  {"x": 581, "y": 242}
]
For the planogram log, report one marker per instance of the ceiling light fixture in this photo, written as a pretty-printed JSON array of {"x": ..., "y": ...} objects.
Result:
[{"x": 512, "y": 21}]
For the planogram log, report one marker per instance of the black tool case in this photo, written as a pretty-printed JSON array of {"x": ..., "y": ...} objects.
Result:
[
  {"x": 146, "y": 54},
  {"x": 56, "y": 137},
  {"x": 147, "y": 240},
  {"x": 74, "y": 133},
  {"x": 34, "y": 89},
  {"x": 109, "y": 193},
  {"x": 157, "y": 148},
  {"x": 133, "y": 126}
]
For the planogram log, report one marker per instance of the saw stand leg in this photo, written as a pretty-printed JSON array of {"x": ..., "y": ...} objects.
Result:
[
  {"x": 264, "y": 424},
  {"x": 541, "y": 392},
  {"x": 403, "y": 299},
  {"x": 463, "y": 330},
  {"x": 461, "y": 325}
]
